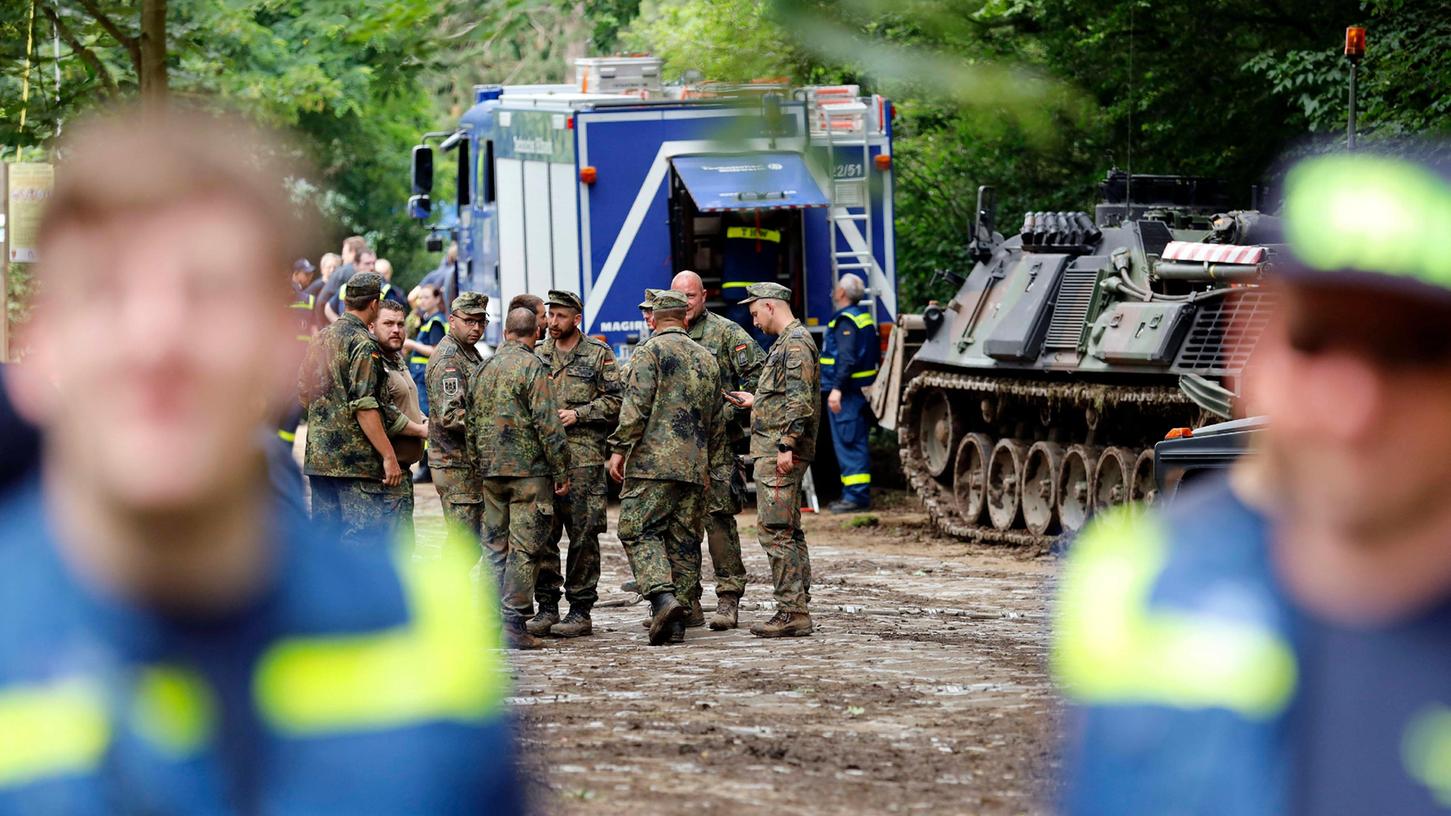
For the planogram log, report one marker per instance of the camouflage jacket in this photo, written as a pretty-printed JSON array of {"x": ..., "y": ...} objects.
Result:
[
  {"x": 739, "y": 357},
  {"x": 788, "y": 399},
  {"x": 586, "y": 380},
  {"x": 513, "y": 417},
  {"x": 447, "y": 378},
  {"x": 341, "y": 375},
  {"x": 671, "y": 418},
  {"x": 402, "y": 392}
]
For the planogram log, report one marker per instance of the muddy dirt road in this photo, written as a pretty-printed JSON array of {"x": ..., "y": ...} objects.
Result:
[{"x": 924, "y": 689}]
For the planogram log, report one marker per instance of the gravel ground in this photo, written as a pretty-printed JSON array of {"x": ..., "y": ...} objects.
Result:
[{"x": 924, "y": 689}]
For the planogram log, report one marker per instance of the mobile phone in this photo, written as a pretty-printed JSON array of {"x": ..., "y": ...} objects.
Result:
[{"x": 731, "y": 398}]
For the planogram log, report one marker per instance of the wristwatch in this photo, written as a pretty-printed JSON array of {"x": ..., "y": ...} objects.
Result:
[{"x": 783, "y": 447}]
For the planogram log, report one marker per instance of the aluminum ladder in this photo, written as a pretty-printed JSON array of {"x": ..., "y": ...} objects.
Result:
[{"x": 844, "y": 123}]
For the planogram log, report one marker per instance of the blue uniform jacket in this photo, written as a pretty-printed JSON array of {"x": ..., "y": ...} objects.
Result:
[
  {"x": 356, "y": 682},
  {"x": 852, "y": 351},
  {"x": 1200, "y": 687}
]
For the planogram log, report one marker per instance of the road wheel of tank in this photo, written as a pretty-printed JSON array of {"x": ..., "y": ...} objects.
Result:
[
  {"x": 1004, "y": 476},
  {"x": 969, "y": 476},
  {"x": 1113, "y": 477},
  {"x": 937, "y": 431},
  {"x": 1041, "y": 471},
  {"x": 1145, "y": 488},
  {"x": 1075, "y": 482}
]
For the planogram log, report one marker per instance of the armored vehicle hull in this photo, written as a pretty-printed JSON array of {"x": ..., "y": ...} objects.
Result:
[{"x": 1039, "y": 391}]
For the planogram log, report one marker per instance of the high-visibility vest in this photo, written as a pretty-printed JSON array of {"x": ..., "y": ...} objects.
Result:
[{"x": 866, "y": 351}]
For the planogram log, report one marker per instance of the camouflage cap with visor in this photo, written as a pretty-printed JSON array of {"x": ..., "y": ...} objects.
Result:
[
  {"x": 649, "y": 301},
  {"x": 472, "y": 304},
  {"x": 1371, "y": 220},
  {"x": 669, "y": 299},
  {"x": 363, "y": 285},
  {"x": 563, "y": 297},
  {"x": 766, "y": 291}
]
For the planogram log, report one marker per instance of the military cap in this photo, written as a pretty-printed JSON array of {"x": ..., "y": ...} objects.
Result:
[
  {"x": 365, "y": 285},
  {"x": 474, "y": 304},
  {"x": 767, "y": 290},
  {"x": 563, "y": 297},
  {"x": 649, "y": 301},
  {"x": 669, "y": 299},
  {"x": 1368, "y": 219}
]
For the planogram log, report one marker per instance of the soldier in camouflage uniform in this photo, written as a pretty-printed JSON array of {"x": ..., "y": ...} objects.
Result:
[
  {"x": 402, "y": 393},
  {"x": 447, "y": 376},
  {"x": 351, "y": 462},
  {"x": 785, "y": 410},
  {"x": 739, "y": 358},
  {"x": 521, "y": 449},
  {"x": 586, "y": 382},
  {"x": 670, "y": 420}
]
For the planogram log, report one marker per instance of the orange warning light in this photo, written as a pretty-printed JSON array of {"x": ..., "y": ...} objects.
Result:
[
  {"x": 883, "y": 162},
  {"x": 1179, "y": 433},
  {"x": 1355, "y": 42},
  {"x": 588, "y": 174}
]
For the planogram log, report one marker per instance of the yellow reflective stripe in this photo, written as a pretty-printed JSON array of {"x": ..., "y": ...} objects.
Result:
[
  {"x": 827, "y": 361},
  {"x": 306, "y": 338},
  {"x": 287, "y": 436},
  {"x": 51, "y": 730},
  {"x": 1111, "y": 648},
  {"x": 419, "y": 359},
  {"x": 174, "y": 709},
  {"x": 444, "y": 664},
  {"x": 857, "y": 479},
  {"x": 861, "y": 320},
  {"x": 1426, "y": 750},
  {"x": 738, "y": 284},
  {"x": 754, "y": 234},
  {"x": 860, "y": 375}
]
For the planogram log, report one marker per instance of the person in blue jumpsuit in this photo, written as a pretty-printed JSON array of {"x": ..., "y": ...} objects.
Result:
[
  {"x": 1278, "y": 641},
  {"x": 849, "y": 362},
  {"x": 751, "y": 254},
  {"x": 172, "y": 639},
  {"x": 302, "y": 313},
  {"x": 420, "y": 347}
]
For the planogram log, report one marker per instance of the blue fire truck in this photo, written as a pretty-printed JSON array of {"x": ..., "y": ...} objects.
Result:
[{"x": 614, "y": 183}]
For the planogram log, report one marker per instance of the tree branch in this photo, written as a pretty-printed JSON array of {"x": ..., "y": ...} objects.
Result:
[
  {"x": 87, "y": 55},
  {"x": 131, "y": 44}
]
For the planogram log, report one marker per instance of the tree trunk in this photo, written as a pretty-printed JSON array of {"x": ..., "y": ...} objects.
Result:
[{"x": 153, "y": 54}]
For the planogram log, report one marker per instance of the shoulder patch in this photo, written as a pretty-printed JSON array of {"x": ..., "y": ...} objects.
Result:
[
  {"x": 452, "y": 386},
  {"x": 741, "y": 347}
]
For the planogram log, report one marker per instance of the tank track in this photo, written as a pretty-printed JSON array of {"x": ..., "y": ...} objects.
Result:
[{"x": 938, "y": 497}]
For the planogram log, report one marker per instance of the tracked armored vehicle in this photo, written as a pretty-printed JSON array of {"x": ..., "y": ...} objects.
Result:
[{"x": 1038, "y": 392}]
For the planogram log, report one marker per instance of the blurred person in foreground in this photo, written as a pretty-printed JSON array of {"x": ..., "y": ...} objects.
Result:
[
  {"x": 1280, "y": 641},
  {"x": 170, "y": 640}
]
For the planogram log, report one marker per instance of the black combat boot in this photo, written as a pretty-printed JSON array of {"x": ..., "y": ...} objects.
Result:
[
  {"x": 727, "y": 608},
  {"x": 518, "y": 637},
  {"x": 677, "y": 631},
  {"x": 547, "y": 616},
  {"x": 665, "y": 610},
  {"x": 697, "y": 615},
  {"x": 783, "y": 624},
  {"x": 575, "y": 624}
]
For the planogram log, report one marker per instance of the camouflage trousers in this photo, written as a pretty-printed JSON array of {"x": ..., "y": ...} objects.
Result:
[
  {"x": 582, "y": 515},
  {"x": 517, "y": 516},
  {"x": 463, "y": 509},
  {"x": 722, "y": 503},
  {"x": 364, "y": 512},
  {"x": 778, "y": 521},
  {"x": 660, "y": 526}
]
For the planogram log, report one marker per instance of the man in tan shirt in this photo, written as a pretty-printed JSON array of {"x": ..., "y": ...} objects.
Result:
[{"x": 402, "y": 393}]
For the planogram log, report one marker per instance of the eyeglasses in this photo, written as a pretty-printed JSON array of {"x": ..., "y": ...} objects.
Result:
[{"x": 471, "y": 321}]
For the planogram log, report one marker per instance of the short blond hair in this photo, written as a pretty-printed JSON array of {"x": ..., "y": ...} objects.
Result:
[{"x": 122, "y": 161}]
